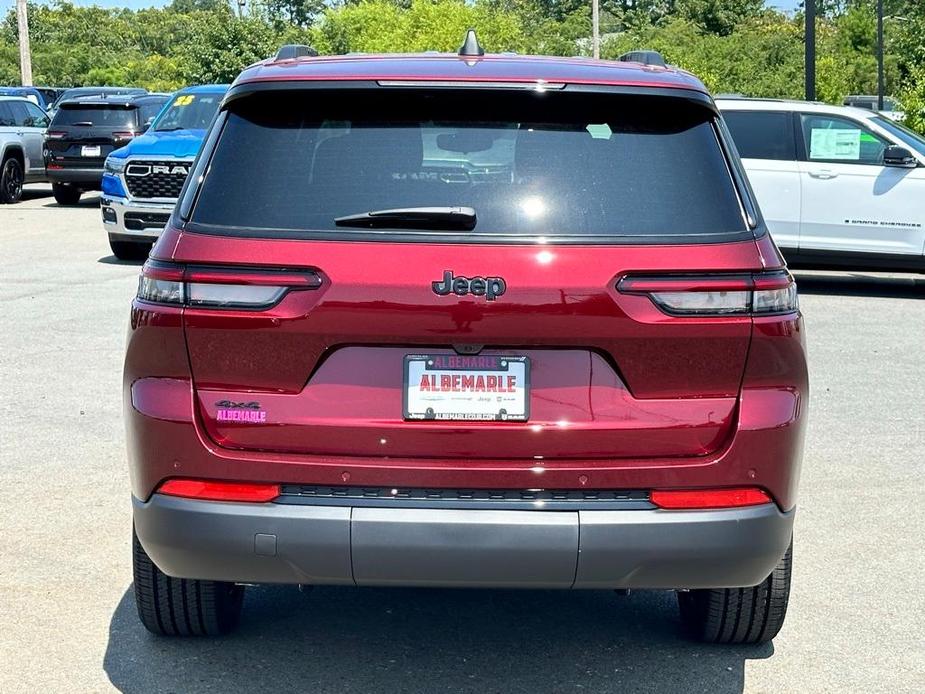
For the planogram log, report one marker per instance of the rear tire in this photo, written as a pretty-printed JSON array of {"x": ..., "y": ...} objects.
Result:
[
  {"x": 740, "y": 615},
  {"x": 129, "y": 250},
  {"x": 11, "y": 180},
  {"x": 65, "y": 194},
  {"x": 182, "y": 606}
]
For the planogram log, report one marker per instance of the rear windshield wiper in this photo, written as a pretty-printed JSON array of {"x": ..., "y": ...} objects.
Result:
[{"x": 412, "y": 218}]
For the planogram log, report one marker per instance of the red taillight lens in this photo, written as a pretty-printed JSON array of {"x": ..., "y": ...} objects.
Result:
[
  {"x": 732, "y": 497},
  {"x": 123, "y": 135},
  {"x": 55, "y": 135},
  {"x": 759, "y": 294},
  {"x": 209, "y": 490},
  {"x": 220, "y": 287}
]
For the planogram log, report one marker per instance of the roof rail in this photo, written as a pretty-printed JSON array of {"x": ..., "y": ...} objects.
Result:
[
  {"x": 644, "y": 57},
  {"x": 291, "y": 51}
]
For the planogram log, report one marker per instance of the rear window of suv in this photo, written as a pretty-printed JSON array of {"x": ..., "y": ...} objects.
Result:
[
  {"x": 530, "y": 164},
  {"x": 96, "y": 115}
]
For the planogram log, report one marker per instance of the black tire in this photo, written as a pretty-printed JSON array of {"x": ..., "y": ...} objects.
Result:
[
  {"x": 65, "y": 194},
  {"x": 11, "y": 180},
  {"x": 740, "y": 615},
  {"x": 130, "y": 250},
  {"x": 182, "y": 606}
]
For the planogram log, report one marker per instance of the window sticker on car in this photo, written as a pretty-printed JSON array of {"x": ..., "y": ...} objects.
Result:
[
  {"x": 832, "y": 143},
  {"x": 184, "y": 100},
  {"x": 599, "y": 131}
]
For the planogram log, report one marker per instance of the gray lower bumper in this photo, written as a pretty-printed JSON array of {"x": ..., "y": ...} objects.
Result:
[
  {"x": 130, "y": 220},
  {"x": 281, "y": 543}
]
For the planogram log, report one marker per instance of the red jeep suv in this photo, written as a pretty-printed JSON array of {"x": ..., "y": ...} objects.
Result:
[{"x": 466, "y": 321}]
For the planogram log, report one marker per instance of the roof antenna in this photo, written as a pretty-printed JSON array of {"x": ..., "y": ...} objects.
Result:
[{"x": 470, "y": 46}]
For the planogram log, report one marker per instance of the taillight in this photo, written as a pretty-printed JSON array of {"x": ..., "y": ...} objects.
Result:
[
  {"x": 220, "y": 287},
  {"x": 209, "y": 490},
  {"x": 756, "y": 294},
  {"x": 733, "y": 497},
  {"x": 122, "y": 135},
  {"x": 55, "y": 135}
]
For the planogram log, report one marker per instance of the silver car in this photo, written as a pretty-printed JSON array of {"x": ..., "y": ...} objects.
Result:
[{"x": 22, "y": 138}]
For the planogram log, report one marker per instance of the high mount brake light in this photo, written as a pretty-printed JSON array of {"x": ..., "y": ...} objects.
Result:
[
  {"x": 760, "y": 294},
  {"x": 220, "y": 287},
  {"x": 210, "y": 490},
  {"x": 734, "y": 497}
]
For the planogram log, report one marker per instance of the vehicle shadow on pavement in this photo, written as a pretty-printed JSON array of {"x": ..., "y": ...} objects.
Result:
[
  {"x": 113, "y": 260},
  {"x": 904, "y": 287},
  {"x": 84, "y": 202},
  {"x": 35, "y": 193},
  {"x": 407, "y": 640}
]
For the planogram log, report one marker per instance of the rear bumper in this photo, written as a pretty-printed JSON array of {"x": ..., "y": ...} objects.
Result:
[
  {"x": 87, "y": 178},
  {"x": 312, "y": 544},
  {"x": 128, "y": 220}
]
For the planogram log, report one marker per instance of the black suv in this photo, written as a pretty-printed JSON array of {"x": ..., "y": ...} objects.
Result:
[{"x": 84, "y": 131}]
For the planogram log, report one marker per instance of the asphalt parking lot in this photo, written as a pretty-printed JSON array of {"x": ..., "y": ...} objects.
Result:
[{"x": 67, "y": 622}]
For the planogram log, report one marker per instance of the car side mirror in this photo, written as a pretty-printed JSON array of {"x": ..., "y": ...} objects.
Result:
[
  {"x": 148, "y": 124},
  {"x": 900, "y": 157}
]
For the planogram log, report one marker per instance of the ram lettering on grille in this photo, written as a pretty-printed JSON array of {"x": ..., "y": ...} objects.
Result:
[{"x": 156, "y": 179}]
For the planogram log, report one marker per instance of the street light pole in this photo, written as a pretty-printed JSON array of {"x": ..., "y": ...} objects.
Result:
[
  {"x": 25, "y": 52},
  {"x": 880, "y": 85},
  {"x": 595, "y": 28},
  {"x": 810, "y": 66}
]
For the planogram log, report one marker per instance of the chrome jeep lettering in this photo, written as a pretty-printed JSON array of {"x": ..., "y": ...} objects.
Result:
[{"x": 489, "y": 287}]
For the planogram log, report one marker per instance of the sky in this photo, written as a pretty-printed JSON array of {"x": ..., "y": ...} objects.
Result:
[{"x": 136, "y": 4}]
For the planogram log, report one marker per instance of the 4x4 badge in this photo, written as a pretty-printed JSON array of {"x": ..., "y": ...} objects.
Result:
[{"x": 489, "y": 287}]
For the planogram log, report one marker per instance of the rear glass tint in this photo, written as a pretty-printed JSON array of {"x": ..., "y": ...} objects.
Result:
[
  {"x": 556, "y": 164},
  {"x": 101, "y": 115}
]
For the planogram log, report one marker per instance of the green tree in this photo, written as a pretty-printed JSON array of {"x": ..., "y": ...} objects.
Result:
[
  {"x": 720, "y": 17},
  {"x": 220, "y": 46}
]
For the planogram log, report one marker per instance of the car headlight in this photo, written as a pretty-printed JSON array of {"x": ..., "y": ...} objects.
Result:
[{"x": 114, "y": 166}]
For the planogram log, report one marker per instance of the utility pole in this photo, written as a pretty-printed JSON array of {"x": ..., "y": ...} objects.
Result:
[
  {"x": 25, "y": 53},
  {"x": 880, "y": 85},
  {"x": 595, "y": 28},
  {"x": 810, "y": 66}
]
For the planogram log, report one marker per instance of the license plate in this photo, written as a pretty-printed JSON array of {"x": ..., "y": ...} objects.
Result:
[
  {"x": 473, "y": 388},
  {"x": 90, "y": 151}
]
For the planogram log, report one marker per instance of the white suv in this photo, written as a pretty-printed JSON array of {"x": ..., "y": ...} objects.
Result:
[{"x": 837, "y": 186}]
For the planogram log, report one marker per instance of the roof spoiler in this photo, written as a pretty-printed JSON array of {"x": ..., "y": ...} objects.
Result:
[
  {"x": 644, "y": 57},
  {"x": 291, "y": 51}
]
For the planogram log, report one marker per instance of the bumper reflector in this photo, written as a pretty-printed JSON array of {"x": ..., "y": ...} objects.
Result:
[
  {"x": 709, "y": 498},
  {"x": 220, "y": 491}
]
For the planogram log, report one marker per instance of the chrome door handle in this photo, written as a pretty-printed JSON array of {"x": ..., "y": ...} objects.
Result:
[{"x": 823, "y": 174}]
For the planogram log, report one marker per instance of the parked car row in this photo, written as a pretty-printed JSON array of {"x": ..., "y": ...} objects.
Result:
[
  {"x": 838, "y": 186},
  {"x": 91, "y": 142}
]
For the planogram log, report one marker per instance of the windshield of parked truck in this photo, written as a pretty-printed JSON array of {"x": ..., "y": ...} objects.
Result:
[{"x": 188, "y": 112}]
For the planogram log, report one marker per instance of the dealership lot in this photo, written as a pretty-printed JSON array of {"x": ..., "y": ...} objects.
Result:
[{"x": 67, "y": 622}]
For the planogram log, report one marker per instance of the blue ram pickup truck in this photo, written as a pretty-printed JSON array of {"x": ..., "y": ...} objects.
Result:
[{"x": 142, "y": 181}]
